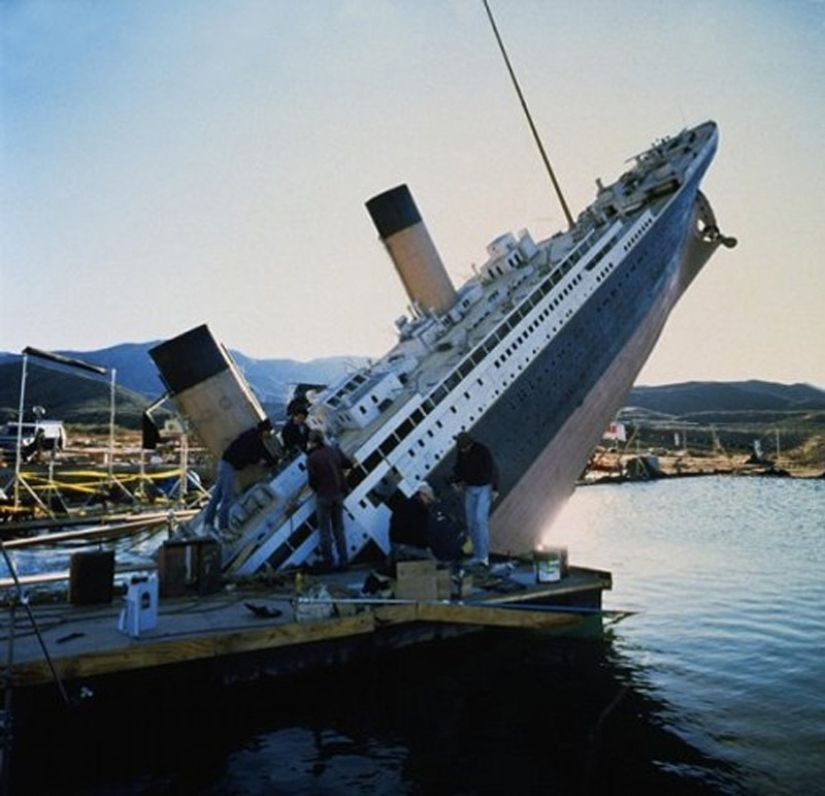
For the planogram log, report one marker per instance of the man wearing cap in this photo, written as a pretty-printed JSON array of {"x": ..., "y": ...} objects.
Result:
[
  {"x": 326, "y": 465},
  {"x": 246, "y": 449},
  {"x": 475, "y": 471}
]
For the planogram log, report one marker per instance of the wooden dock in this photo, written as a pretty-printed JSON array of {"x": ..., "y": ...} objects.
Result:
[{"x": 250, "y": 630}]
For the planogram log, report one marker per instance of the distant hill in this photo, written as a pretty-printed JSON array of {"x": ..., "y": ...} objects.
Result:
[
  {"x": 78, "y": 397},
  {"x": 729, "y": 416},
  {"x": 697, "y": 397}
]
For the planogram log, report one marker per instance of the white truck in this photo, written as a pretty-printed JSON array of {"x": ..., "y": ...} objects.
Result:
[{"x": 41, "y": 435}]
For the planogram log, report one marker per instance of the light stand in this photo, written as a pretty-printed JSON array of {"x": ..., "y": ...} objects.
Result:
[{"x": 18, "y": 460}]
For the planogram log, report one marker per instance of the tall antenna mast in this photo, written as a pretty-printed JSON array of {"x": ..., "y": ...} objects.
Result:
[{"x": 530, "y": 119}]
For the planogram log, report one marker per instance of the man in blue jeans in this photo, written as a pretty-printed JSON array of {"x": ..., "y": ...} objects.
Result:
[
  {"x": 325, "y": 472},
  {"x": 248, "y": 448},
  {"x": 475, "y": 471}
]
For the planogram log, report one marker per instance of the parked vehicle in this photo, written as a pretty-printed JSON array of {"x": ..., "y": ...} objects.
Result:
[{"x": 42, "y": 435}]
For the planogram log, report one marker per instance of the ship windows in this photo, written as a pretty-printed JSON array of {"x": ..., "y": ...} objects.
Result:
[
  {"x": 372, "y": 461},
  {"x": 356, "y": 476},
  {"x": 405, "y": 428},
  {"x": 388, "y": 445}
]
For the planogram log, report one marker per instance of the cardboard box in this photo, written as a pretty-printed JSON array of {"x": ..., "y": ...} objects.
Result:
[{"x": 415, "y": 580}]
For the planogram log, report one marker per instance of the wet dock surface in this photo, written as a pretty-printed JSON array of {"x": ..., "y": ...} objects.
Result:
[{"x": 279, "y": 619}]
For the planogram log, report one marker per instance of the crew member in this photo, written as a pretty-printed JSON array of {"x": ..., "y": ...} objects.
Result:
[
  {"x": 410, "y": 525},
  {"x": 476, "y": 473},
  {"x": 246, "y": 449},
  {"x": 295, "y": 432},
  {"x": 326, "y": 466}
]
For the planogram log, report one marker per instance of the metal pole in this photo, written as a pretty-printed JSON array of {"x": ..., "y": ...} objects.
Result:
[
  {"x": 184, "y": 466},
  {"x": 536, "y": 138},
  {"x": 19, "y": 455},
  {"x": 112, "y": 424},
  {"x": 23, "y": 600}
]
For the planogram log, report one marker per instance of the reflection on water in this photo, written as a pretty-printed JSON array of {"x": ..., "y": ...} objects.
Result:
[
  {"x": 510, "y": 713},
  {"x": 713, "y": 685},
  {"x": 727, "y": 574}
]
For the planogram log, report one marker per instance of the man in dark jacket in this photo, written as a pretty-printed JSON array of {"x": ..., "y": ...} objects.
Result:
[
  {"x": 325, "y": 472},
  {"x": 295, "y": 432},
  {"x": 476, "y": 473},
  {"x": 410, "y": 525},
  {"x": 246, "y": 449}
]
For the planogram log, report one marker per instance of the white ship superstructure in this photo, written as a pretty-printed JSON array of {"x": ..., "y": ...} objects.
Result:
[{"x": 534, "y": 355}]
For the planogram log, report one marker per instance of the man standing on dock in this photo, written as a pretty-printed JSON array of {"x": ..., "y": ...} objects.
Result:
[
  {"x": 325, "y": 472},
  {"x": 475, "y": 471},
  {"x": 246, "y": 449}
]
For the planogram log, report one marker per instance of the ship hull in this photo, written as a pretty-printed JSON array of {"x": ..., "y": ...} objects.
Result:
[
  {"x": 543, "y": 430},
  {"x": 534, "y": 359}
]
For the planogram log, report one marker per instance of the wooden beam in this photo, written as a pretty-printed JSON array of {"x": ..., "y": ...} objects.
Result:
[
  {"x": 144, "y": 654},
  {"x": 494, "y": 616}
]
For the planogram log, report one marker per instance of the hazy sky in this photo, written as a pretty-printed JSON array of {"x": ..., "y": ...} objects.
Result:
[{"x": 166, "y": 163}]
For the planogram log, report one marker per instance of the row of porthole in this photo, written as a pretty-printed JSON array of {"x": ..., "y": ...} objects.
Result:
[
  {"x": 638, "y": 234},
  {"x": 522, "y": 338}
]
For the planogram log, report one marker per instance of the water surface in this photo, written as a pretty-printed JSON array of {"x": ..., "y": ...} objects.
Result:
[{"x": 714, "y": 683}]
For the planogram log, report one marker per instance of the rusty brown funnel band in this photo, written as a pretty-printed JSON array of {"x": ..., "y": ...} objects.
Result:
[{"x": 412, "y": 250}]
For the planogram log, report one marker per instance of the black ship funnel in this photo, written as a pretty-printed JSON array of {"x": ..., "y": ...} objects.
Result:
[{"x": 412, "y": 250}]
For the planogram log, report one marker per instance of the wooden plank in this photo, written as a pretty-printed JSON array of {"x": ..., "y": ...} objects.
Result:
[
  {"x": 143, "y": 654},
  {"x": 92, "y": 533},
  {"x": 494, "y": 616},
  {"x": 219, "y": 627}
]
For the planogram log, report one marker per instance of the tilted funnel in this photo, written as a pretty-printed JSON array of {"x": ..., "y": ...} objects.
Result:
[{"x": 412, "y": 250}]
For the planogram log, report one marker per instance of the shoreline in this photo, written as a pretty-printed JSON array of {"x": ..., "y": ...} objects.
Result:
[{"x": 626, "y": 466}]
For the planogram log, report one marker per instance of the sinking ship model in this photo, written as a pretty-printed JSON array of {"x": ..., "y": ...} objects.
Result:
[{"x": 533, "y": 355}]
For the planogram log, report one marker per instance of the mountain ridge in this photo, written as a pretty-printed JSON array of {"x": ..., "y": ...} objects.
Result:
[{"x": 76, "y": 398}]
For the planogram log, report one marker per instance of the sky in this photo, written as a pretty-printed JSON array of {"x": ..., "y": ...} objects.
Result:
[{"x": 167, "y": 164}]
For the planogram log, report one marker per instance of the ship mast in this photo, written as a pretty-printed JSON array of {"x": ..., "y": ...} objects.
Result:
[{"x": 529, "y": 118}]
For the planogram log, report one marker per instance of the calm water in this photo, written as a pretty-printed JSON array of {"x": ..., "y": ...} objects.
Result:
[{"x": 715, "y": 684}]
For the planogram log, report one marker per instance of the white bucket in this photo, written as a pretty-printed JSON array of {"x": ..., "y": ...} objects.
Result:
[{"x": 140, "y": 610}]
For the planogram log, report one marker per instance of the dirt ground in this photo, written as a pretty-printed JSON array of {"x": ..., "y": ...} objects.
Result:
[{"x": 798, "y": 464}]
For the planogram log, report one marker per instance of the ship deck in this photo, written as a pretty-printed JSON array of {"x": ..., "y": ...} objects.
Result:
[{"x": 245, "y": 631}]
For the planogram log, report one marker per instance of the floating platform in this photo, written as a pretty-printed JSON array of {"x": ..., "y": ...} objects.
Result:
[{"x": 294, "y": 622}]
